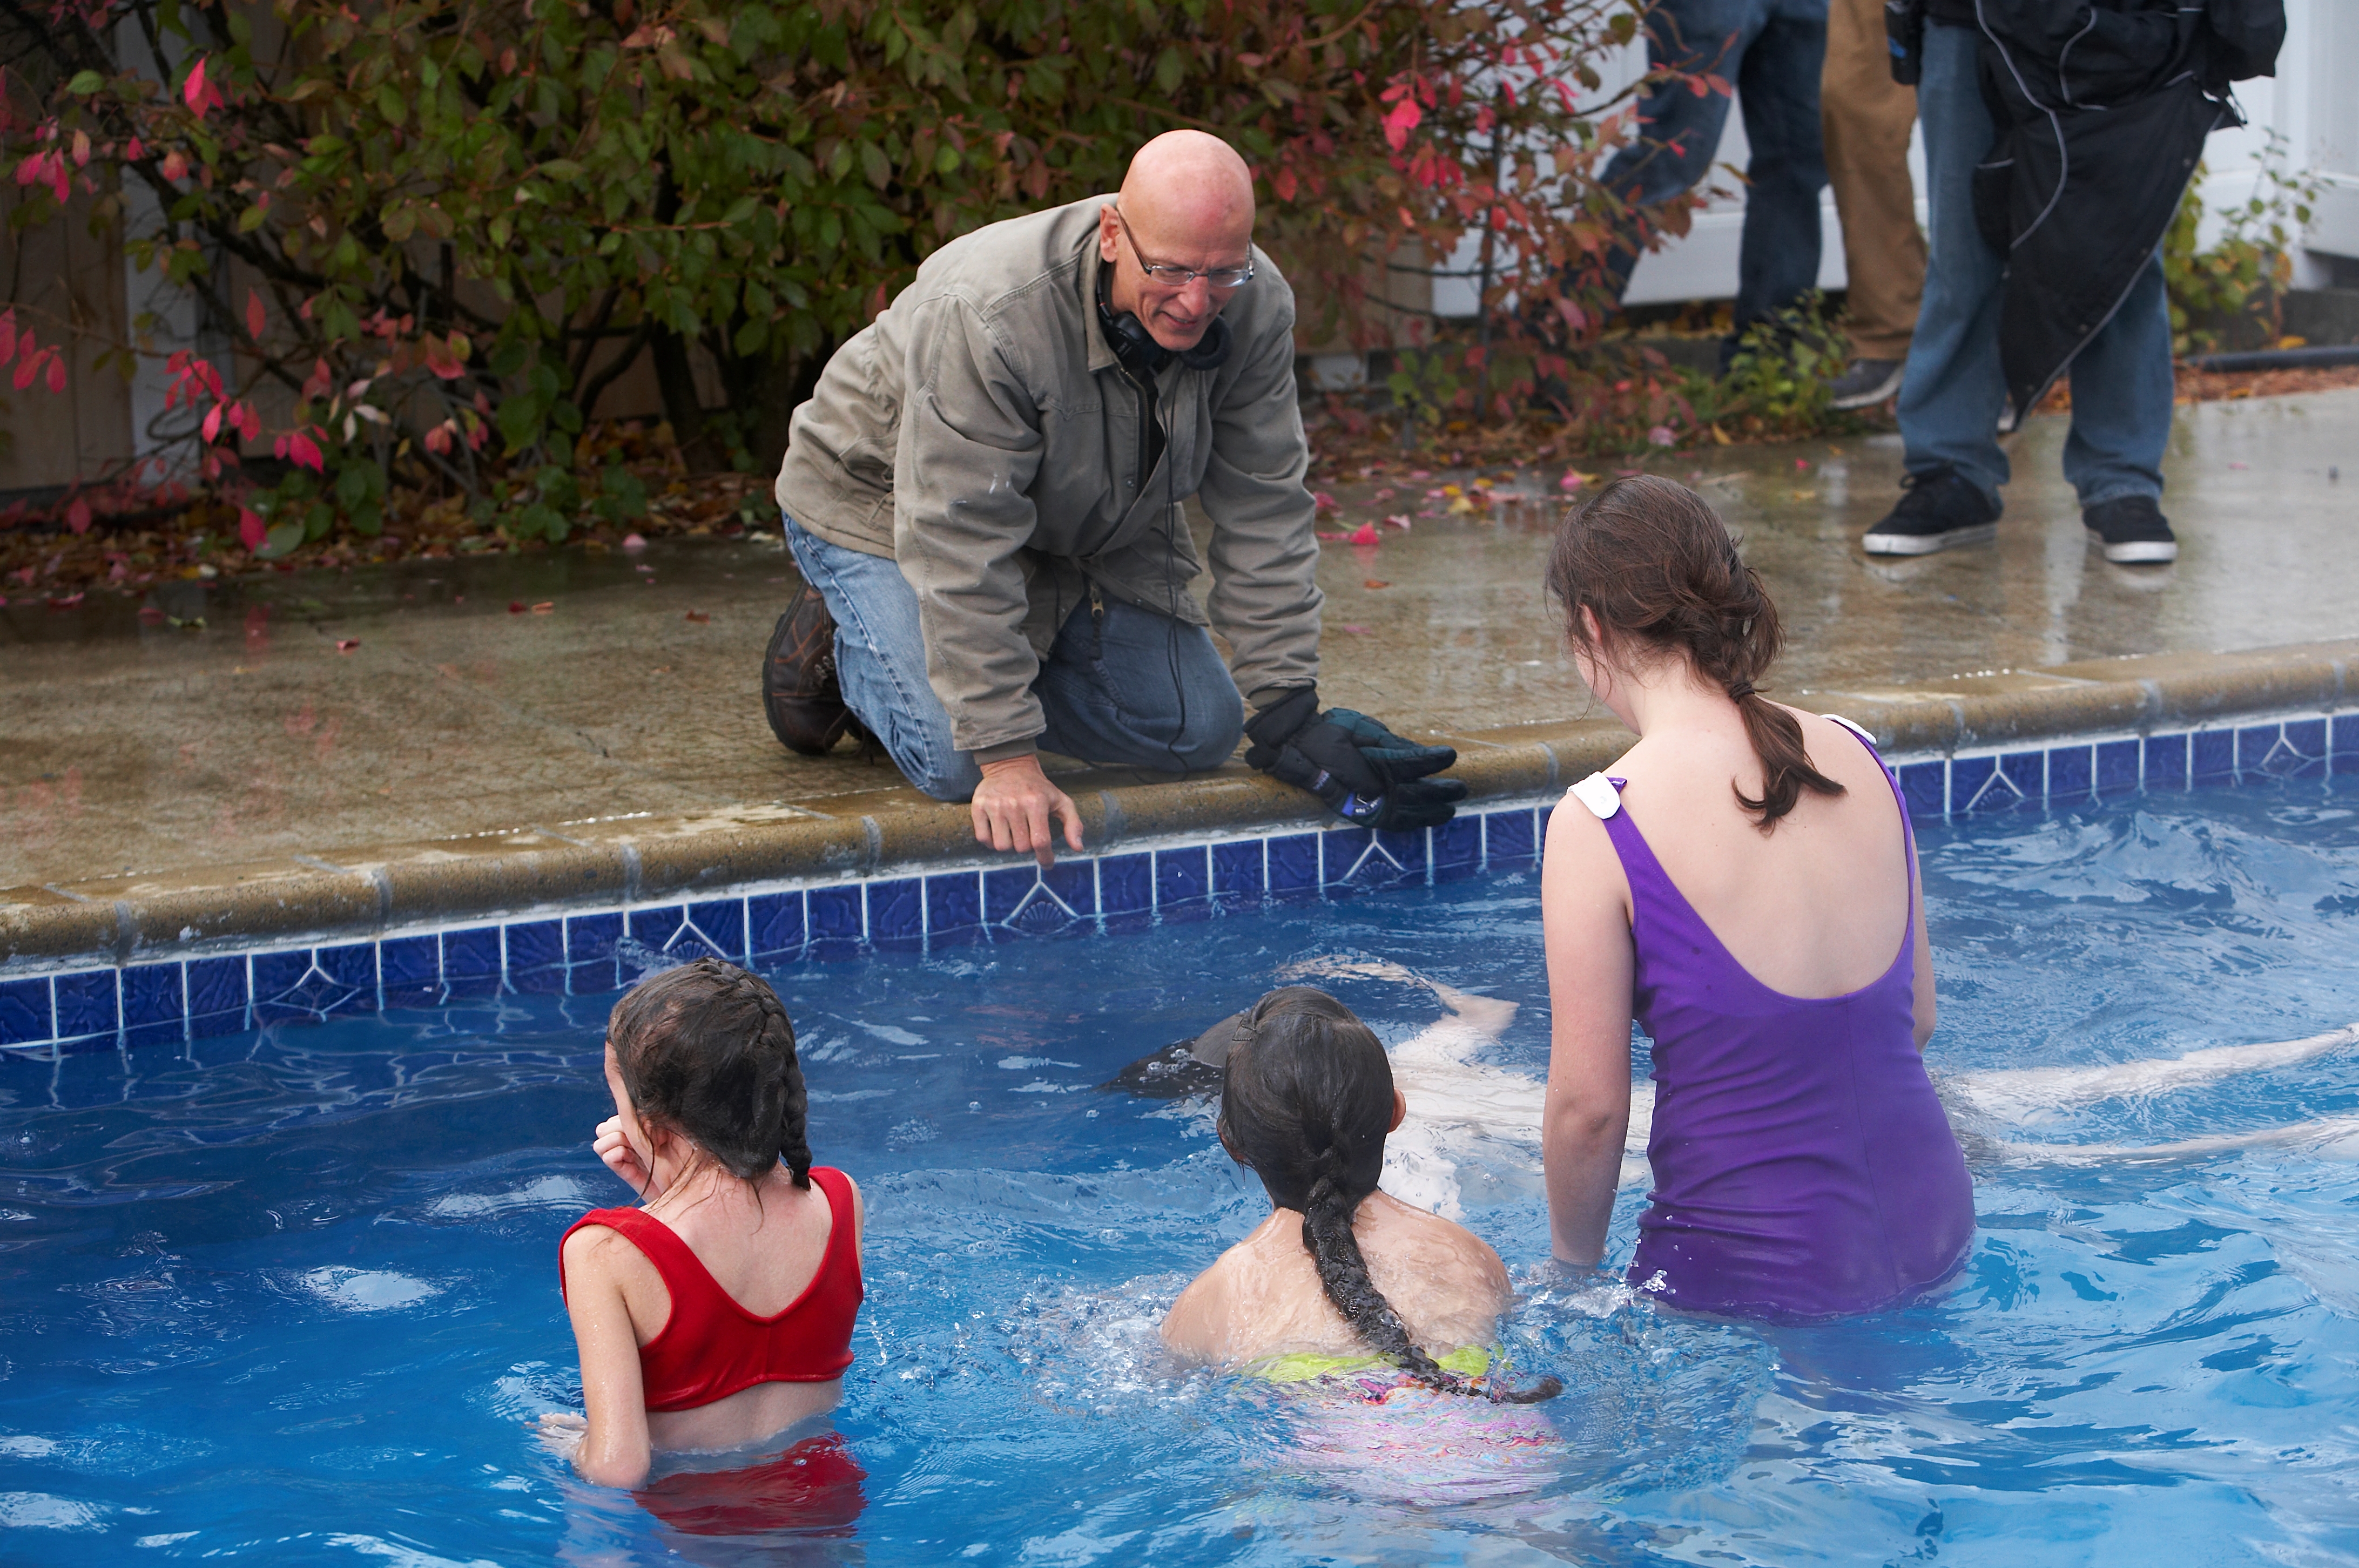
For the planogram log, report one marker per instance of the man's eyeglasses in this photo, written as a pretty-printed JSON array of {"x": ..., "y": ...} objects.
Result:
[{"x": 1169, "y": 276}]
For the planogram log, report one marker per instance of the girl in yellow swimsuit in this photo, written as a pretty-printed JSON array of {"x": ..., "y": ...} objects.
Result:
[{"x": 1342, "y": 1281}]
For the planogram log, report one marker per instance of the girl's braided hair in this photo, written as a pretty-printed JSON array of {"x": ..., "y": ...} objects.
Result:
[
  {"x": 1658, "y": 568},
  {"x": 1305, "y": 1100},
  {"x": 706, "y": 1050}
]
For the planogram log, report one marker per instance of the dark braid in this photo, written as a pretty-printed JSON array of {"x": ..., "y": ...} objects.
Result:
[
  {"x": 706, "y": 1050},
  {"x": 1305, "y": 1100},
  {"x": 1658, "y": 568}
]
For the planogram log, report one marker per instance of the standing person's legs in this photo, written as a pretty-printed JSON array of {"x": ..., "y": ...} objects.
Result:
[
  {"x": 1777, "y": 89},
  {"x": 1952, "y": 390},
  {"x": 880, "y": 660},
  {"x": 2122, "y": 385},
  {"x": 1127, "y": 688},
  {"x": 1866, "y": 117},
  {"x": 2122, "y": 388},
  {"x": 1678, "y": 132}
]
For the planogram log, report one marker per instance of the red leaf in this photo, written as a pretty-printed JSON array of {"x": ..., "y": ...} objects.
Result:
[
  {"x": 305, "y": 452},
  {"x": 30, "y": 366},
  {"x": 175, "y": 165},
  {"x": 515, "y": 607},
  {"x": 193, "y": 90},
  {"x": 698, "y": 616},
  {"x": 57, "y": 373},
  {"x": 1400, "y": 122},
  {"x": 30, "y": 169},
  {"x": 212, "y": 426},
  {"x": 8, "y": 335},
  {"x": 58, "y": 177},
  {"x": 248, "y": 423},
  {"x": 1282, "y": 182},
  {"x": 257, "y": 318},
  {"x": 77, "y": 515},
  {"x": 251, "y": 529}
]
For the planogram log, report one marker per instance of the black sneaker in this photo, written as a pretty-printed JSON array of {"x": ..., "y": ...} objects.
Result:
[
  {"x": 799, "y": 692},
  {"x": 1939, "y": 511},
  {"x": 1866, "y": 383},
  {"x": 2133, "y": 530}
]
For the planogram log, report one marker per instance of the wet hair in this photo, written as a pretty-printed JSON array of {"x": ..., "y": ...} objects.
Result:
[
  {"x": 706, "y": 1051},
  {"x": 1658, "y": 568},
  {"x": 1305, "y": 1100}
]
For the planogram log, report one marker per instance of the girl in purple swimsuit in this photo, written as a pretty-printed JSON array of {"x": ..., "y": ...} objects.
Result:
[{"x": 1743, "y": 882}]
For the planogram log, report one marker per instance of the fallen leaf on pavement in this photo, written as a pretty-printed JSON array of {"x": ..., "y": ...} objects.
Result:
[
  {"x": 515, "y": 607},
  {"x": 544, "y": 607},
  {"x": 698, "y": 616},
  {"x": 1374, "y": 582},
  {"x": 346, "y": 644}
]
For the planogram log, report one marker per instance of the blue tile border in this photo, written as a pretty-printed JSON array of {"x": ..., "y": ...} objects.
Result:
[{"x": 592, "y": 952}]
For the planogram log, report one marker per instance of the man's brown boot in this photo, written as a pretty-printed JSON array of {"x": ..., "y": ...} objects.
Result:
[{"x": 799, "y": 686}]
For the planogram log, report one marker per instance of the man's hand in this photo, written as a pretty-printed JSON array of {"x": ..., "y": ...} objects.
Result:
[
  {"x": 1365, "y": 774},
  {"x": 1012, "y": 807}
]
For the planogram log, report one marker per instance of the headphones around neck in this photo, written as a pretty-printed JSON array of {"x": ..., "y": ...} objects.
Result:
[{"x": 1139, "y": 352}]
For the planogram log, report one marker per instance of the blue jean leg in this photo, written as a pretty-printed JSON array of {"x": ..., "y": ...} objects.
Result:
[
  {"x": 1132, "y": 689},
  {"x": 880, "y": 660},
  {"x": 1954, "y": 391},
  {"x": 1777, "y": 92},
  {"x": 1678, "y": 131},
  {"x": 1122, "y": 687},
  {"x": 1772, "y": 51},
  {"x": 2122, "y": 391}
]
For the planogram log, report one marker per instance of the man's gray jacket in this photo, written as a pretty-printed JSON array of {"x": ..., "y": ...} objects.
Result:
[{"x": 982, "y": 434}]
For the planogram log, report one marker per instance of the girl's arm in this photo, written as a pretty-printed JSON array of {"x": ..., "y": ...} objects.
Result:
[
  {"x": 614, "y": 1451},
  {"x": 1585, "y": 912}
]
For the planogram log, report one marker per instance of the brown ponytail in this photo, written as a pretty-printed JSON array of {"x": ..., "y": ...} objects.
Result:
[{"x": 1658, "y": 568}]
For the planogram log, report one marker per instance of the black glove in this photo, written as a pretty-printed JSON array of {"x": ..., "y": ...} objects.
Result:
[{"x": 1367, "y": 775}]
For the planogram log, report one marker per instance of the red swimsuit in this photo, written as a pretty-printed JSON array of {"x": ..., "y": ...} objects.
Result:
[{"x": 710, "y": 1347}]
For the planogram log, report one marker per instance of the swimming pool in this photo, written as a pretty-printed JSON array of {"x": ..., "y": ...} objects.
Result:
[{"x": 291, "y": 1295}]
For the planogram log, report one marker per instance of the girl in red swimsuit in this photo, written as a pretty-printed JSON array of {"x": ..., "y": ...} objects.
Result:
[{"x": 719, "y": 1311}]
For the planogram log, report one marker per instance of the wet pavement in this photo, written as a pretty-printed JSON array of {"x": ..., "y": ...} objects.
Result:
[{"x": 303, "y": 715}]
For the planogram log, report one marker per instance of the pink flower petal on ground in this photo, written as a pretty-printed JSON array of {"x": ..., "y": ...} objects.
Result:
[
  {"x": 1398, "y": 520},
  {"x": 1663, "y": 436},
  {"x": 634, "y": 542},
  {"x": 346, "y": 644},
  {"x": 1325, "y": 502},
  {"x": 1364, "y": 535}
]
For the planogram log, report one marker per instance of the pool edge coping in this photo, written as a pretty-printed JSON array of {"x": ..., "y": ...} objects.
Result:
[{"x": 369, "y": 896}]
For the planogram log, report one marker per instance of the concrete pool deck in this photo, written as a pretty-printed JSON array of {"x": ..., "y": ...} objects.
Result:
[{"x": 357, "y": 753}]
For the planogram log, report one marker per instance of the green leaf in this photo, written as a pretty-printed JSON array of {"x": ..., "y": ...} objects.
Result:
[
  {"x": 281, "y": 538},
  {"x": 250, "y": 220},
  {"x": 391, "y": 104},
  {"x": 85, "y": 82}
]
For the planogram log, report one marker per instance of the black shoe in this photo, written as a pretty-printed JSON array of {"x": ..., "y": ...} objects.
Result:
[
  {"x": 2133, "y": 530},
  {"x": 799, "y": 686},
  {"x": 1939, "y": 511},
  {"x": 1866, "y": 382}
]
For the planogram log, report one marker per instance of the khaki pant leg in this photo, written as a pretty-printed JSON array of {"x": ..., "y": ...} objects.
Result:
[{"x": 1866, "y": 118}]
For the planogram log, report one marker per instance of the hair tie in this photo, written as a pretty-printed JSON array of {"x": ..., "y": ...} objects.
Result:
[{"x": 1739, "y": 690}]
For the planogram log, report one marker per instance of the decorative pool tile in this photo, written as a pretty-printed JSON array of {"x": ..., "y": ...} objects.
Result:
[
  {"x": 1182, "y": 876},
  {"x": 1238, "y": 870},
  {"x": 25, "y": 1018},
  {"x": 591, "y": 951}
]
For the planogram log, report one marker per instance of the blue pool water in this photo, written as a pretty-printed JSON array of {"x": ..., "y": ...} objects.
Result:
[{"x": 291, "y": 1295}]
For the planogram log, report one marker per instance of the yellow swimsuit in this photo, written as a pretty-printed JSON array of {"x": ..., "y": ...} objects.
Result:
[{"x": 1302, "y": 1366}]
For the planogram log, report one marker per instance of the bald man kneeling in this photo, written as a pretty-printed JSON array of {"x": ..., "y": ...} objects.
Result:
[{"x": 984, "y": 495}]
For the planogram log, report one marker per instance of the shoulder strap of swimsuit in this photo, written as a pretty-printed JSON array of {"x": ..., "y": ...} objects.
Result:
[
  {"x": 843, "y": 1222},
  {"x": 673, "y": 1259}
]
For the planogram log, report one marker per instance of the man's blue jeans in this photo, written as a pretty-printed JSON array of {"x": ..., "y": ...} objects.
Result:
[
  {"x": 1954, "y": 390},
  {"x": 1772, "y": 49},
  {"x": 1122, "y": 687}
]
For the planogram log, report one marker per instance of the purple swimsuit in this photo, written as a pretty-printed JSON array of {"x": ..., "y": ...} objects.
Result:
[{"x": 1803, "y": 1168}]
